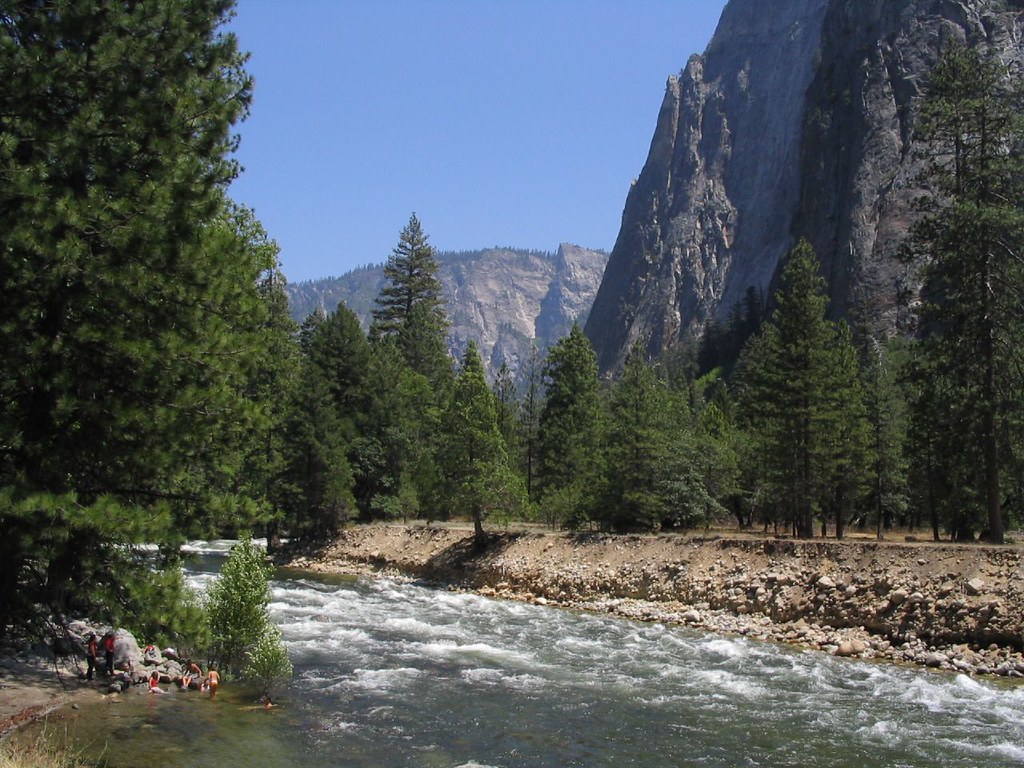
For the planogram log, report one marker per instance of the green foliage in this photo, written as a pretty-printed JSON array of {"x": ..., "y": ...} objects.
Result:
[
  {"x": 802, "y": 403},
  {"x": 720, "y": 346},
  {"x": 267, "y": 660},
  {"x": 59, "y": 558},
  {"x": 237, "y": 605},
  {"x": 124, "y": 289},
  {"x": 411, "y": 306},
  {"x": 885, "y": 401},
  {"x": 133, "y": 315},
  {"x": 315, "y": 487},
  {"x": 507, "y": 406},
  {"x": 473, "y": 460},
  {"x": 969, "y": 240},
  {"x": 339, "y": 350},
  {"x": 571, "y": 428},
  {"x": 272, "y": 386},
  {"x": 394, "y": 457},
  {"x": 638, "y": 450},
  {"x": 244, "y": 641},
  {"x": 166, "y": 611},
  {"x": 528, "y": 426}
]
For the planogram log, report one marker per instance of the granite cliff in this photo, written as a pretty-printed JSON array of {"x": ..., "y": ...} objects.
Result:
[
  {"x": 504, "y": 299},
  {"x": 796, "y": 122}
]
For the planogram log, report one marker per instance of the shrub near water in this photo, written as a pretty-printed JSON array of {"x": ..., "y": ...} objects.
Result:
[{"x": 244, "y": 640}]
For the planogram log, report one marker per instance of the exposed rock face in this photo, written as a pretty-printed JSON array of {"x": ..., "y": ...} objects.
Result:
[
  {"x": 796, "y": 122},
  {"x": 503, "y": 299}
]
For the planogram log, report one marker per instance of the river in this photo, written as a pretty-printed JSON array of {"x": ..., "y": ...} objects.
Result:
[{"x": 402, "y": 675}]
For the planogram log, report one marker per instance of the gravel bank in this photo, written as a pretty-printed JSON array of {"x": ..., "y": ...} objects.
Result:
[{"x": 951, "y": 607}]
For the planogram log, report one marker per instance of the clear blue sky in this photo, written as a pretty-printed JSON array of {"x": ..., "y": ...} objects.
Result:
[{"x": 499, "y": 122}]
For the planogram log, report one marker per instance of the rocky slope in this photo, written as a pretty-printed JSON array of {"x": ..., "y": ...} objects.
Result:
[
  {"x": 503, "y": 299},
  {"x": 794, "y": 123},
  {"x": 941, "y": 605}
]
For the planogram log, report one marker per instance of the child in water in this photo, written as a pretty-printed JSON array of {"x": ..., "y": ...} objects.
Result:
[{"x": 212, "y": 682}]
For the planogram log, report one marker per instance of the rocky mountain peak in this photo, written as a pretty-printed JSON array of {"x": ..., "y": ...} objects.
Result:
[{"x": 796, "y": 122}]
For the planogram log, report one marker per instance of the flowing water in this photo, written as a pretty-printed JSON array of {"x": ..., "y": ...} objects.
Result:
[{"x": 394, "y": 674}]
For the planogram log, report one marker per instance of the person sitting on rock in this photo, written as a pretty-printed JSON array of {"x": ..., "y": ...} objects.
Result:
[
  {"x": 191, "y": 676},
  {"x": 151, "y": 655},
  {"x": 154, "y": 682}
]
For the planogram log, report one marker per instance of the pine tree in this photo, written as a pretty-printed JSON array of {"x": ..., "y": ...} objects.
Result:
[
  {"x": 272, "y": 385},
  {"x": 887, "y": 417},
  {"x": 131, "y": 313},
  {"x": 972, "y": 125},
  {"x": 846, "y": 432},
  {"x": 411, "y": 306},
  {"x": 315, "y": 486},
  {"x": 340, "y": 351},
  {"x": 473, "y": 459},
  {"x": 529, "y": 421},
  {"x": 570, "y": 471},
  {"x": 393, "y": 457},
  {"x": 504, "y": 389},
  {"x": 800, "y": 398},
  {"x": 637, "y": 449}
]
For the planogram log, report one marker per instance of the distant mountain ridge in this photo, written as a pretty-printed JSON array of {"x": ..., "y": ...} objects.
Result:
[{"x": 504, "y": 299}]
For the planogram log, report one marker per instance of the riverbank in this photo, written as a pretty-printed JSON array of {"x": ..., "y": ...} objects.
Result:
[
  {"x": 30, "y": 690},
  {"x": 945, "y": 606}
]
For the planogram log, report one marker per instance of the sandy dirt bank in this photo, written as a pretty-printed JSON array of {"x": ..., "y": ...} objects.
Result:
[{"x": 31, "y": 689}]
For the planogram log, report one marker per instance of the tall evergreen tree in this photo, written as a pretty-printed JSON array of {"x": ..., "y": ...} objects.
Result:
[
  {"x": 340, "y": 351},
  {"x": 473, "y": 459},
  {"x": 130, "y": 309},
  {"x": 529, "y": 421},
  {"x": 394, "y": 456},
  {"x": 637, "y": 449},
  {"x": 571, "y": 432},
  {"x": 272, "y": 384},
  {"x": 887, "y": 415},
  {"x": 315, "y": 487},
  {"x": 507, "y": 404},
  {"x": 796, "y": 375},
  {"x": 846, "y": 433},
  {"x": 972, "y": 126},
  {"x": 411, "y": 306}
]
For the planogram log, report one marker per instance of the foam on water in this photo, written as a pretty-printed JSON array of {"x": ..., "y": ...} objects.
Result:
[
  {"x": 385, "y": 679},
  {"x": 568, "y": 689},
  {"x": 216, "y": 546}
]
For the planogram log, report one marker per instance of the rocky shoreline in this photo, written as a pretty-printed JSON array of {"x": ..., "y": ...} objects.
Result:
[{"x": 950, "y": 607}]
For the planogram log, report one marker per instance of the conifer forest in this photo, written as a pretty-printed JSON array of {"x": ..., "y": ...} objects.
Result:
[{"x": 154, "y": 389}]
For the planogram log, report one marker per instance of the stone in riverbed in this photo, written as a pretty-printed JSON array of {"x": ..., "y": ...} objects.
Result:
[
  {"x": 851, "y": 648},
  {"x": 898, "y": 597}
]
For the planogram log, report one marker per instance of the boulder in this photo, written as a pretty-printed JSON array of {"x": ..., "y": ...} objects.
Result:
[
  {"x": 851, "y": 647},
  {"x": 898, "y": 597},
  {"x": 127, "y": 654}
]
